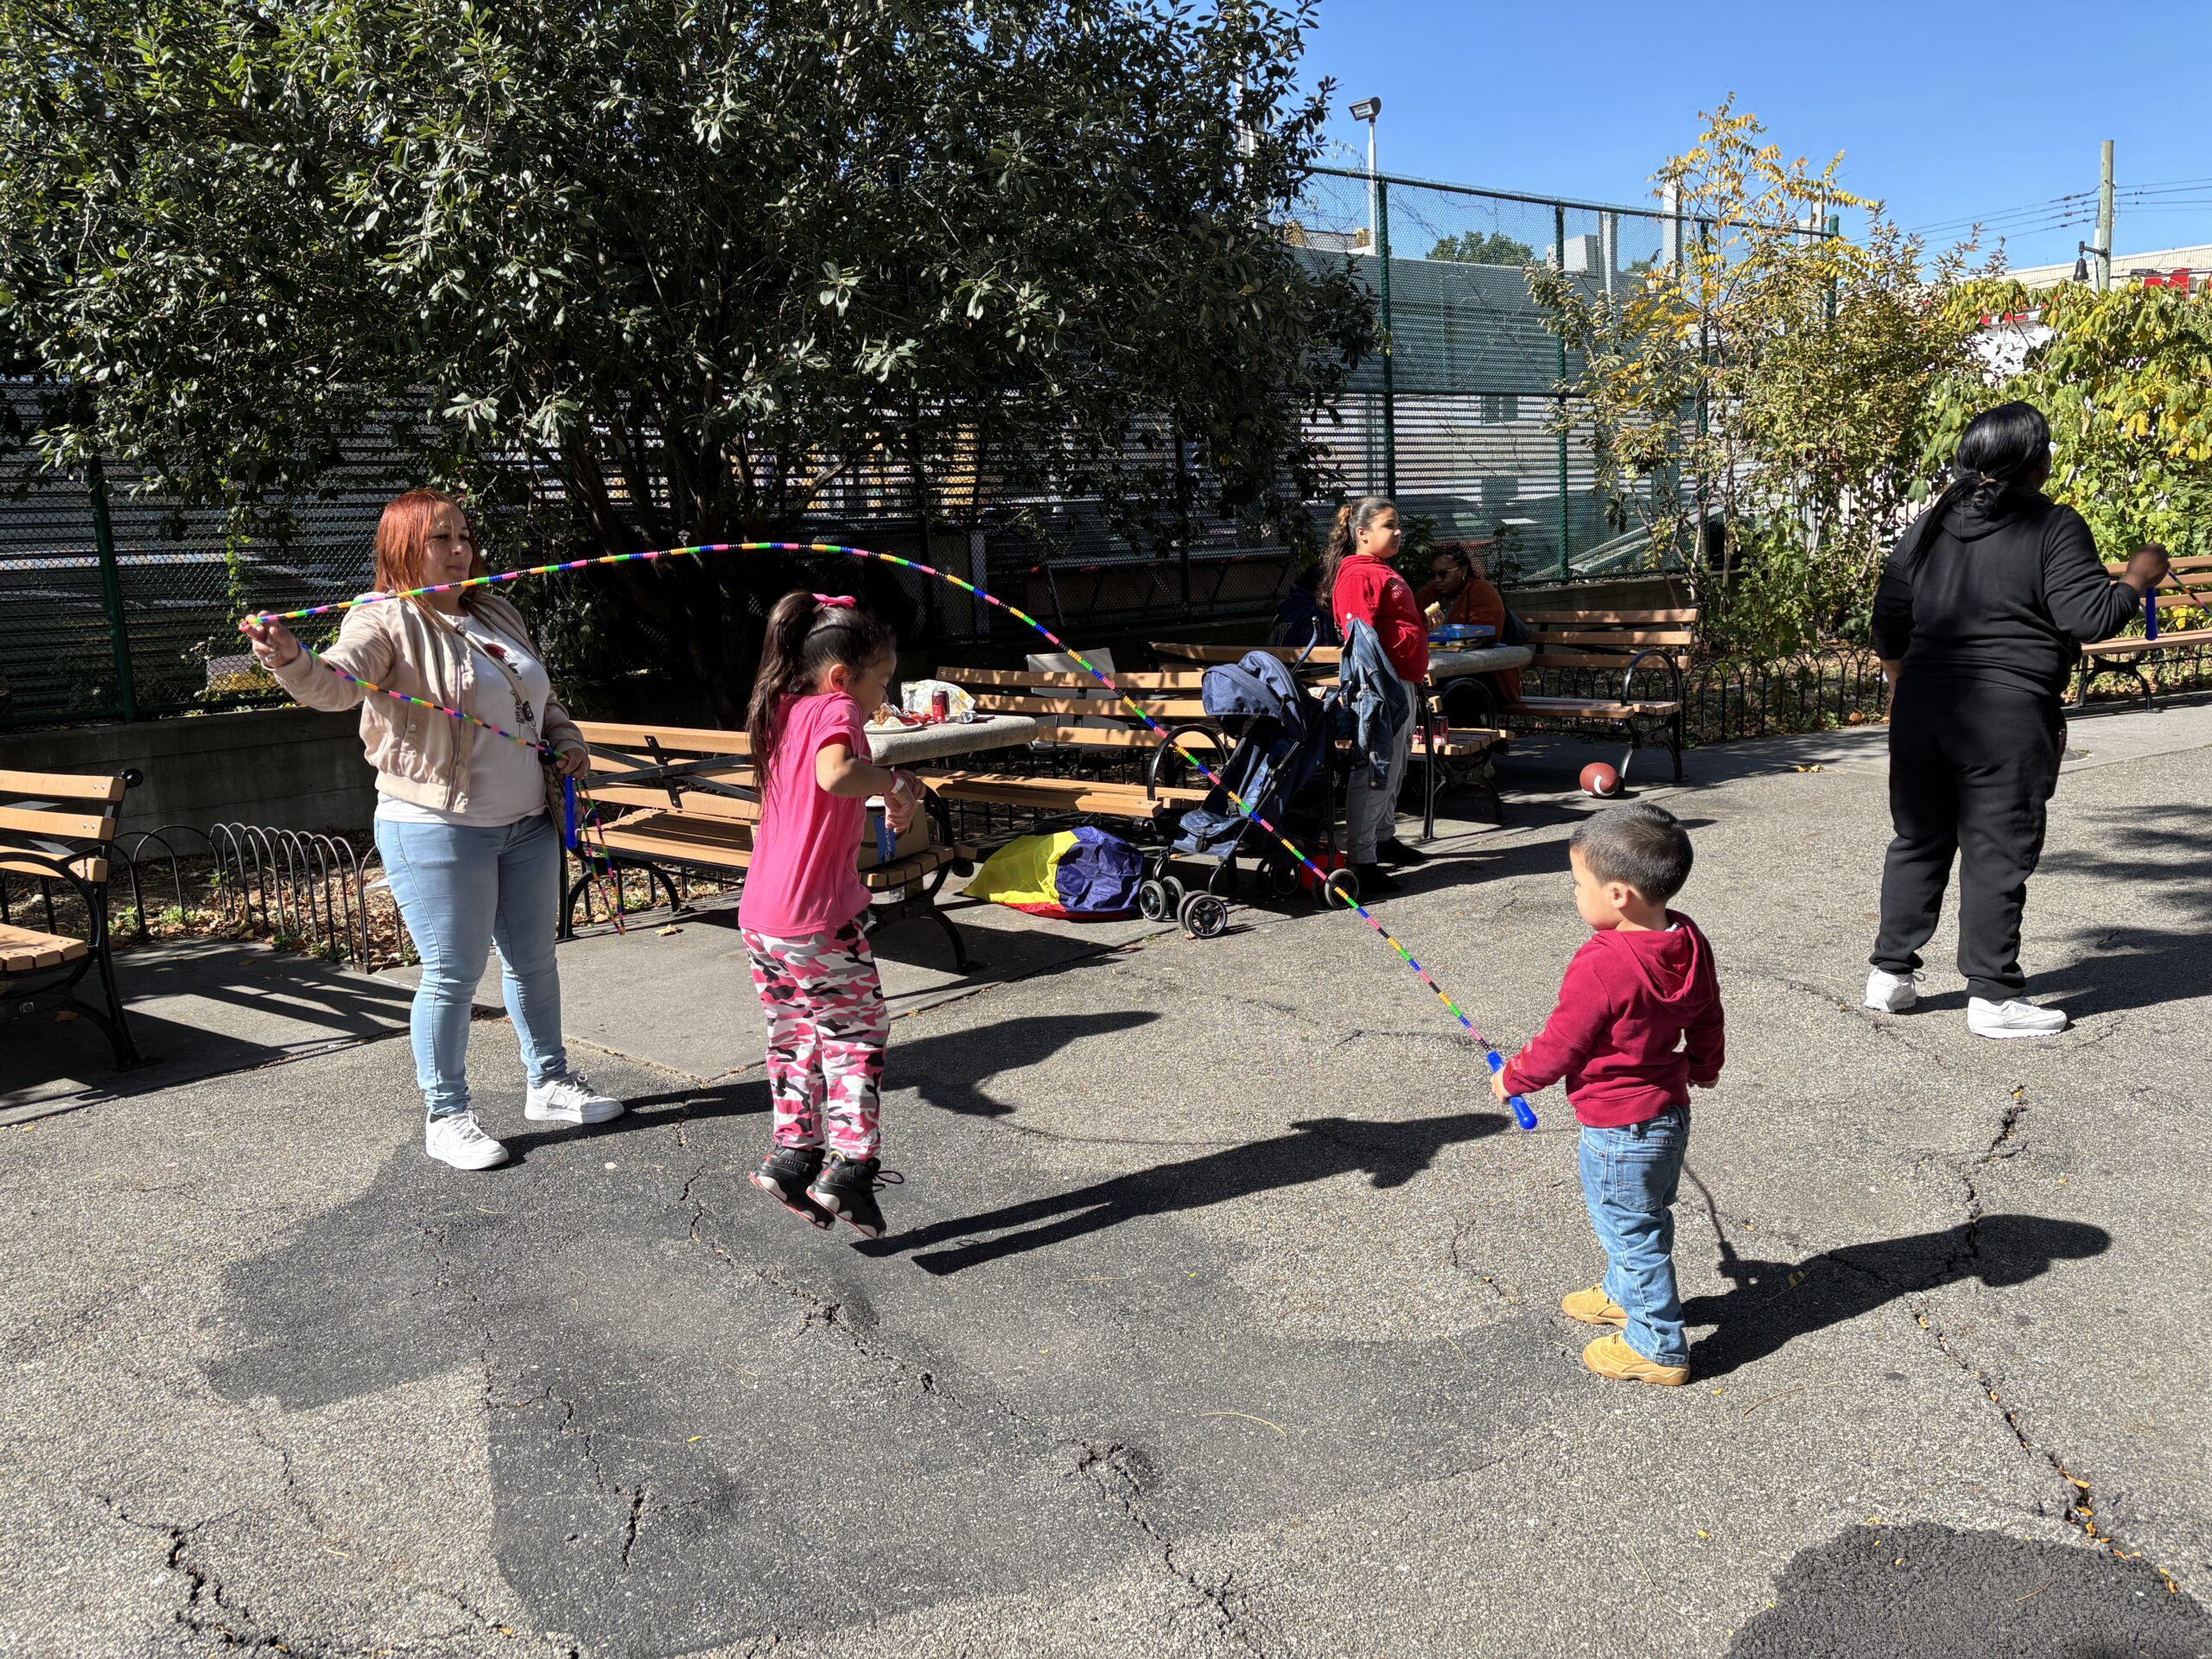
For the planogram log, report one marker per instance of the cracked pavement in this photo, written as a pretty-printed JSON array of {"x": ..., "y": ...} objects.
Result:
[{"x": 1219, "y": 1317}]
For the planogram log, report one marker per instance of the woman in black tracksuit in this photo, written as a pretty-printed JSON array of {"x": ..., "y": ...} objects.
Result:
[{"x": 1981, "y": 613}]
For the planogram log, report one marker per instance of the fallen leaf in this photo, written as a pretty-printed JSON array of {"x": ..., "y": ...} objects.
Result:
[{"x": 665, "y": 931}]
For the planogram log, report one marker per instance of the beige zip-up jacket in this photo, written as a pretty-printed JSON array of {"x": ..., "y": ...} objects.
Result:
[{"x": 423, "y": 754}]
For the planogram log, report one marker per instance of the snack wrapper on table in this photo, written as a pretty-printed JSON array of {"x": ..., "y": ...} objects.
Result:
[{"x": 919, "y": 697}]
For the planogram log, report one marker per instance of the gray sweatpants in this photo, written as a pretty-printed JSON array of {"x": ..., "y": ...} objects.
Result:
[{"x": 1371, "y": 803}]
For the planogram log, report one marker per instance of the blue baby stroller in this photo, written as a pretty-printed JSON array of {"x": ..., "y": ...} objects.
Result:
[{"x": 1280, "y": 768}]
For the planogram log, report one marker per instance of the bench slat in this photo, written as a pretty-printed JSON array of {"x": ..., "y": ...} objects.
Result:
[
  {"x": 1058, "y": 794},
  {"x": 62, "y": 785},
  {"x": 1319, "y": 657},
  {"x": 90, "y": 866},
  {"x": 1588, "y": 659},
  {"x": 696, "y": 803},
  {"x": 676, "y": 739},
  {"x": 1186, "y": 679},
  {"x": 2138, "y": 646},
  {"x": 70, "y": 826},
  {"x": 1176, "y": 709},
  {"x": 23, "y": 951},
  {"x": 1620, "y": 617},
  {"x": 1591, "y": 709},
  {"x": 1624, "y": 637}
]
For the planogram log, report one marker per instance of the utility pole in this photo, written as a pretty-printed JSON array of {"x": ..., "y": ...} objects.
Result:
[{"x": 2103, "y": 249}]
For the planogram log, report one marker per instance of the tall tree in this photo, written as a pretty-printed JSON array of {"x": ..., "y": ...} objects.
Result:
[
  {"x": 1773, "y": 382},
  {"x": 649, "y": 272}
]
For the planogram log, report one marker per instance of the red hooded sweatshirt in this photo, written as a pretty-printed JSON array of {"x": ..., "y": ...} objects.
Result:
[{"x": 1629, "y": 1002}]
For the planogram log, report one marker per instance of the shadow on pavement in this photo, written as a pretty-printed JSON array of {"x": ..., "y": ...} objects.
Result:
[
  {"x": 947, "y": 1071},
  {"x": 1314, "y": 1150},
  {"x": 1776, "y": 1302},
  {"x": 1929, "y": 1591},
  {"x": 2158, "y": 859}
]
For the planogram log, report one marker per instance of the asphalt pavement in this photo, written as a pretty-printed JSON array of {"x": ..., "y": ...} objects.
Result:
[{"x": 1221, "y": 1312}]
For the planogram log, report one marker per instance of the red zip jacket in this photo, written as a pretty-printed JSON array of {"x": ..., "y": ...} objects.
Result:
[
  {"x": 1629, "y": 1002},
  {"x": 1370, "y": 590}
]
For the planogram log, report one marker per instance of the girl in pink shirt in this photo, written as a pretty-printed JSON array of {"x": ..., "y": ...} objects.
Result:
[{"x": 803, "y": 912}]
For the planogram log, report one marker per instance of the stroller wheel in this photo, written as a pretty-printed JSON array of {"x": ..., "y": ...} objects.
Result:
[
  {"x": 1174, "y": 887},
  {"x": 1343, "y": 888},
  {"x": 1152, "y": 901},
  {"x": 1283, "y": 879},
  {"x": 1205, "y": 917}
]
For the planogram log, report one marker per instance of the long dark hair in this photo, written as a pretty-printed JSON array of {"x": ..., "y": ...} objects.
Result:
[
  {"x": 806, "y": 634},
  {"x": 2000, "y": 448},
  {"x": 1343, "y": 538}
]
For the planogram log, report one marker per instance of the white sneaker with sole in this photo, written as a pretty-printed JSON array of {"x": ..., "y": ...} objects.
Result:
[
  {"x": 461, "y": 1141},
  {"x": 2012, "y": 1019},
  {"x": 568, "y": 1100},
  {"x": 1888, "y": 993}
]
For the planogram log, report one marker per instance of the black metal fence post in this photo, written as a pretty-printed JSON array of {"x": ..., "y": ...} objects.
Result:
[{"x": 119, "y": 631}]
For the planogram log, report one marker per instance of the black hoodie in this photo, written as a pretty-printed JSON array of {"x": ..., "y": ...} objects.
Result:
[{"x": 2007, "y": 594}]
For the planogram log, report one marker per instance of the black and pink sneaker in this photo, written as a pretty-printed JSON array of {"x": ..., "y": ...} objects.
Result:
[
  {"x": 785, "y": 1175},
  {"x": 847, "y": 1189}
]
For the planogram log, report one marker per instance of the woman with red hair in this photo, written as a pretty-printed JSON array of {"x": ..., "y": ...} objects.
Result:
[{"x": 463, "y": 820}]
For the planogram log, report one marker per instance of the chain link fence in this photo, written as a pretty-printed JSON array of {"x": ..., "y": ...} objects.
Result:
[
  {"x": 1462, "y": 420},
  {"x": 116, "y": 604}
]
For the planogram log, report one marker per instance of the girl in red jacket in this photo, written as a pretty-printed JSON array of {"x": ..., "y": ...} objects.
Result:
[{"x": 1363, "y": 587}]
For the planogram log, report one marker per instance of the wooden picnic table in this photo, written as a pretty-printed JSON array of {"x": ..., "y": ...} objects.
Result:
[
  {"x": 904, "y": 746},
  {"x": 1446, "y": 665}
]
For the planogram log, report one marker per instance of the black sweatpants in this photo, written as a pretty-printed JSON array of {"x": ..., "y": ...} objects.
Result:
[{"x": 1972, "y": 765}]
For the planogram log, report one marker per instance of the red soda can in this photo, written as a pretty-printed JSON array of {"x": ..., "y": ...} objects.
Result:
[{"x": 940, "y": 705}]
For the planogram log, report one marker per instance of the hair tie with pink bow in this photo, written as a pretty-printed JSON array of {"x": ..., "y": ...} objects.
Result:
[{"x": 845, "y": 600}]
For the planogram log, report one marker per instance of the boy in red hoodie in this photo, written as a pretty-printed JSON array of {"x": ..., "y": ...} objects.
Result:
[{"x": 1638, "y": 1026}]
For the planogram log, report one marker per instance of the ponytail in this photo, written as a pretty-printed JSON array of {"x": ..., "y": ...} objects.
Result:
[
  {"x": 1343, "y": 538},
  {"x": 806, "y": 633}
]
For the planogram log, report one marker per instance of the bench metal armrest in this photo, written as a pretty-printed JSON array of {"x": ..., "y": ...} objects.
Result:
[
  {"x": 1673, "y": 671},
  {"x": 92, "y": 894},
  {"x": 1166, "y": 746}
]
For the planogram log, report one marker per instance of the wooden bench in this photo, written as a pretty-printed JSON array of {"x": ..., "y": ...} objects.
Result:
[
  {"x": 1465, "y": 749},
  {"x": 2125, "y": 655},
  {"x": 1069, "y": 705},
  {"x": 688, "y": 801},
  {"x": 57, "y": 828},
  {"x": 1631, "y": 641}
]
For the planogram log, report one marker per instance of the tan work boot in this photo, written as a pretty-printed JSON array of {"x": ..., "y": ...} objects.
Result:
[
  {"x": 1611, "y": 1356},
  {"x": 1592, "y": 1306}
]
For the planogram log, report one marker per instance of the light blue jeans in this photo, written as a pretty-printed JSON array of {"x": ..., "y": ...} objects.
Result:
[
  {"x": 1629, "y": 1178},
  {"x": 461, "y": 890}
]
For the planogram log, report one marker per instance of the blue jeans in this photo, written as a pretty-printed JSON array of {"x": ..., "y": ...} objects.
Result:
[
  {"x": 1629, "y": 1178},
  {"x": 458, "y": 890}
]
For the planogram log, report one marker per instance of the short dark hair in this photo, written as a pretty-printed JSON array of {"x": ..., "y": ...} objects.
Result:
[{"x": 1643, "y": 845}]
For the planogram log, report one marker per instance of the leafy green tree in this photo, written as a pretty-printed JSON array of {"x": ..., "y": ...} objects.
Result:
[
  {"x": 661, "y": 271},
  {"x": 2125, "y": 378},
  {"x": 1779, "y": 384},
  {"x": 1483, "y": 248}
]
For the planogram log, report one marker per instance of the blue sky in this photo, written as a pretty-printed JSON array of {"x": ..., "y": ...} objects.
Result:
[{"x": 1946, "y": 108}]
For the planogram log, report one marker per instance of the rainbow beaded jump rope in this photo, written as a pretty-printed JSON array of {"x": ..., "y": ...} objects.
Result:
[{"x": 1523, "y": 1114}]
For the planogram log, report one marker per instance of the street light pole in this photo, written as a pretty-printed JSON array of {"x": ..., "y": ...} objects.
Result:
[{"x": 1367, "y": 109}]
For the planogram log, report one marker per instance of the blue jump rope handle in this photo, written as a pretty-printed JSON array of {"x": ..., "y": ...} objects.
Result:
[
  {"x": 569, "y": 813},
  {"x": 1523, "y": 1114},
  {"x": 2150, "y": 616}
]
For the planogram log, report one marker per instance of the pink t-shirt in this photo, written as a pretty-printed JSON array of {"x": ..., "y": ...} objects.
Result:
[{"x": 805, "y": 877}]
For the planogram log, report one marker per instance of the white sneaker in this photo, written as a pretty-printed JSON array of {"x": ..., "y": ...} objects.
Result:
[
  {"x": 2012, "y": 1019},
  {"x": 1889, "y": 992},
  {"x": 461, "y": 1141},
  {"x": 568, "y": 1100}
]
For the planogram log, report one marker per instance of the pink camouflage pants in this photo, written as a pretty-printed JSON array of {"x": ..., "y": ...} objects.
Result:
[{"x": 827, "y": 1026}]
